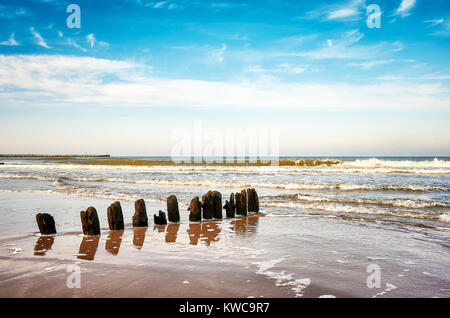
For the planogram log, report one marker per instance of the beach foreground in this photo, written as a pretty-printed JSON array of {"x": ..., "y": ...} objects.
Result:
[{"x": 257, "y": 256}]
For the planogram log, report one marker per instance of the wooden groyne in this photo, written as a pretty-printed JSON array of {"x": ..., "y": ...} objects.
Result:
[{"x": 209, "y": 208}]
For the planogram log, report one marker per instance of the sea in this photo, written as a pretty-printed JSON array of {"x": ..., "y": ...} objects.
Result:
[{"x": 317, "y": 220}]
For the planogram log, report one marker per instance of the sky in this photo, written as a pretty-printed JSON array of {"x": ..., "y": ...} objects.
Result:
[{"x": 135, "y": 72}]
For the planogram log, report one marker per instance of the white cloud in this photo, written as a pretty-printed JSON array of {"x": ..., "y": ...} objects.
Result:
[
  {"x": 342, "y": 13},
  {"x": 39, "y": 38},
  {"x": 10, "y": 42},
  {"x": 350, "y": 11},
  {"x": 435, "y": 22},
  {"x": 426, "y": 77},
  {"x": 405, "y": 8},
  {"x": 90, "y": 38},
  {"x": 67, "y": 80},
  {"x": 371, "y": 64},
  {"x": 216, "y": 56},
  {"x": 72, "y": 42},
  {"x": 279, "y": 68}
]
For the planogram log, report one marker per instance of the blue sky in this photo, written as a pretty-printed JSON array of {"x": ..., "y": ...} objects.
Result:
[{"x": 136, "y": 70}]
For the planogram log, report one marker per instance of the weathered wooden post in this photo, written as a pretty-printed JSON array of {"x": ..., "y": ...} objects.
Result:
[
  {"x": 46, "y": 223},
  {"x": 241, "y": 203},
  {"x": 230, "y": 207},
  {"x": 172, "y": 209},
  {"x": 90, "y": 222},
  {"x": 253, "y": 201},
  {"x": 207, "y": 205},
  {"x": 140, "y": 213},
  {"x": 160, "y": 219},
  {"x": 195, "y": 208},
  {"x": 115, "y": 216},
  {"x": 217, "y": 204}
]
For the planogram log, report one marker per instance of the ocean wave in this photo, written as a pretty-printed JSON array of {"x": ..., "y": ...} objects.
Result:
[
  {"x": 368, "y": 166},
  {"x": 402, "y": 203},
  {"x": 352, "y": 209},
  {"x": 58, "y": 180},
  {"x": 375, "y": 162},
  {"x": 79, "y": 192}
]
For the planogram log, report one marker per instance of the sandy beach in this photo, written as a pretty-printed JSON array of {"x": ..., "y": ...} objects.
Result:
[{"x": 256, "y": 256}]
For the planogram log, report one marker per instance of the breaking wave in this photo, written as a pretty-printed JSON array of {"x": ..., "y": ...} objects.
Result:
[{"x": 235, "y": 184}]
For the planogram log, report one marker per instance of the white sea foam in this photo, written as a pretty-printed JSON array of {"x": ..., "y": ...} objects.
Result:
[
  {"x": 404, "y": 203},
  {"x": 282, "y": 279},
  {"x": 375, "y": 162},
  {"x": 16, "y": 250},
  {"x": 445, "y": 217},
  {"x": 234, "y": 184},
  {"x": 343, "y": 208},
  {"x": 369, "y": 166}
]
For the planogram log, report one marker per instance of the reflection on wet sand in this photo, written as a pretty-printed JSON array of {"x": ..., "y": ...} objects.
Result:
[
  {"x": 160, "y": 228},
  {"x": 171, "y": 233},
  {"x": 208, "y": 232},
  {"x": 139, "y": 236},
  {"x": 113, "y": 242},
  {"x": 43, "y": 244},
  {"x": 245, "y": 225},
  {"x": 88, "y": 247}
]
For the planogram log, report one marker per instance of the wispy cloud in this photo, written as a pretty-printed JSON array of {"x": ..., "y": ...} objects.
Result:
[
  {"x": 347, "y": 46},
  {"x": 11, "y": 12},
  {"x": 39, "y": 38},
  {"x": 279, "y": 68},
  {"x": 425, "y": 77},
  {"x": 371, "y": 64},
  {"x": 169, "y": 5},
  {"x": 216, "y": 55},
  {"x": 434, "y": 22},
  {"x": 342, "y": 13},
  {"x": 405, "y": 8},
  {"x": 10, "y": 42},
  {"x": 90, "y": 38},
  {"x": 158, "y": 5},
  {"x": 73, "y": 43},
  {"x": 350, "y": 11},
  {"x": 68, "y": 80}
]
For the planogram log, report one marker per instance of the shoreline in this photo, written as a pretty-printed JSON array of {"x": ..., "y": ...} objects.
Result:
[{"x": 52, "y": 156}]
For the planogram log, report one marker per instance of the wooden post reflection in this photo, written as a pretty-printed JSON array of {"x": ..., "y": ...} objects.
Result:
[
  {"x": 194, "y": 233},
  {"x": 245, "y": 224},
  {"x": 113, "y": 242},
  {"x": 139, "y": 236},
  {"x": 171, "y": 233},
  {"x": 88, "y": 247},
  {"x": 161, "y": 228},
  {"x": 43, "y": 244},
  {"x": 208, "y": 232}
]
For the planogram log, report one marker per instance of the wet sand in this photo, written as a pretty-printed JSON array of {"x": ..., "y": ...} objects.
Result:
[
  {"x": 47, "y": 278},
  {"x": 256, "y": 256}
]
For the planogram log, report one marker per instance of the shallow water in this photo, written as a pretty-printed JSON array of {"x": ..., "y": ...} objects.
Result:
[{"x": 321, "y": 225}]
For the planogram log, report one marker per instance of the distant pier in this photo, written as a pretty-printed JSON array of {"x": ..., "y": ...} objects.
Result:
[{"x": 54, "y": 156}]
